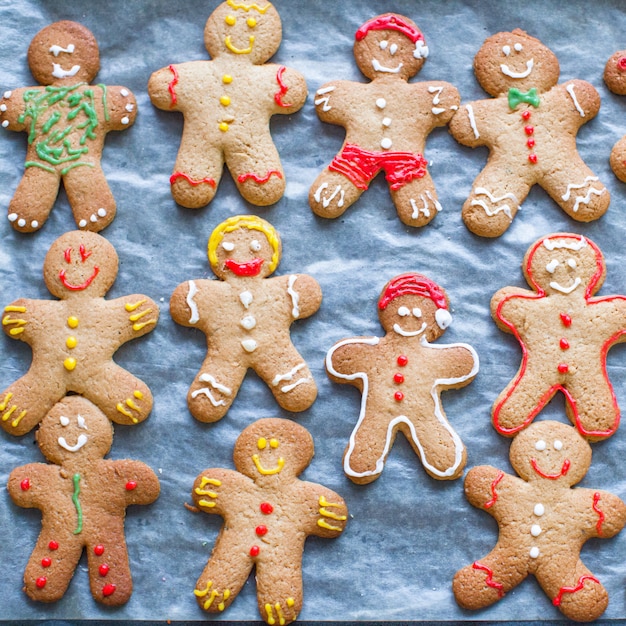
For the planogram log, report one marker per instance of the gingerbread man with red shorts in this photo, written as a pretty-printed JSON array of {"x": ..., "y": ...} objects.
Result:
[
  {"x": 83, "y": 499},
  {"x": 530, "y": 128},
  {"x": 268, "y": 513},
  {"x": 565, "y": 333},
  {"x": 227, "y": 104},
  {"x": 401, "y": 377},
  {"x": 387, "y": 121},
  {"x": 543, "y": 523}
]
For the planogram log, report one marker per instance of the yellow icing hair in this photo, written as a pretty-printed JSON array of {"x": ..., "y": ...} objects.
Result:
[{"x": 247, "y": 7}]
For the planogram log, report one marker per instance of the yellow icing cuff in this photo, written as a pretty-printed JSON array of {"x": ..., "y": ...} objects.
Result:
[
  {"x": 331, "y": 515},
  {"x": 7, "y": 398},
  {"x": 141, "y": 325},
  {"x": 200, "y": 593},
  {"x": 15, "y": 309},
  {"x": 324, "y": 524},
  {"x": 122, "y": 410},
  {"x": 206, "y": 503},
  {"x": 18, "y": 419},
  {"x": 130, "y": 307}
]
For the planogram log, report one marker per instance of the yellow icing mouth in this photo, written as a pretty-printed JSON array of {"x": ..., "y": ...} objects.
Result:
[
  {"x": 268, "y": 472},
  {"x": 229, "y": 44}
]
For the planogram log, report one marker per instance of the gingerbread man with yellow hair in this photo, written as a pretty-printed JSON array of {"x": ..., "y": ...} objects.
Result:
[
  {"x": 268, "y": 513},
  {"x": 227, "y": 104}
]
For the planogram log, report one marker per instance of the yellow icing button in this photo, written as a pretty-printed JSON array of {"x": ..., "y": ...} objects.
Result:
[
  {"x": 227, "y": 79},
  {"x": 231, "y": 20},
  {"x": 69, "y": 364},
  {"x": 71, "y": 342},
  {"x": 72, "y": 321},
  {"x": 223, "y": 126},
  {"x": 225, "y": 101},
  {"x": 251, "y": 22}
]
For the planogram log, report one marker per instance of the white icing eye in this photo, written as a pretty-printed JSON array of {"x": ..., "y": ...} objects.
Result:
[
  {"x": 81, "y": 422},
  {"x": 550, "y": 267},
  {"x": 558, "y": 445},
  {"x": 518, "y": 47},
  {"x": 383, "y": 44},
  {"x": 229, "y": 246},
  {"x": 417, "y": 312},
  {"x": 571, "y": 263},
  {"x": 443, "y": 318},
  {"x": 404, "y": 311},
  {"x": 393, "y": 48},
  {"x": 506, "y": 50},
  {"x": 540, "y": 445},
  {"x": 65, "y": 421},
  {"x": 255, "y": 245}
]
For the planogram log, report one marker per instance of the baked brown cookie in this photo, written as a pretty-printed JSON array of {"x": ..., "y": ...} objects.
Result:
[
  {"x": 83, "y": 499},
  {"x": 246, "y": 318},
  {"x": 387, "y": 121},
  {"x": 401, "y": 377},
  {"x": 615, "y": 79},
  {"x": 227, "y": 104},
  {"x": 268, "y": 513},
  {"x": 530, "y": 128},
  {"x": 74, "y": 339},
  {"x": 543, "y": 523},
  {"x": 67, "y": 120}
]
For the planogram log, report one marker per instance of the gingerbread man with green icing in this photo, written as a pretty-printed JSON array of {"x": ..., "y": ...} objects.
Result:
[
  {"x": 268, "y": 513},
  {"x": 67, "y": 120},
  {"x": 83, "y": 499}
]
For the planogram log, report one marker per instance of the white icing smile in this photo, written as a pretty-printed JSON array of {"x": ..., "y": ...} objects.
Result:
[
  {"x": 408, "y": 333},
  {"x": 566, "y": 290},
  {"x": 82, "y": 440},
  {"x": 382, "y": 68},
  {"x": 507, "y": 71},
  {"x": 59, "y": 72}
]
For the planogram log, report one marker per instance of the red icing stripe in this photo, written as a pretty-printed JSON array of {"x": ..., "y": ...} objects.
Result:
[
  {"x": 578, "y": 587},
  {"x": 258, "y": 179},
  {"x": 172, "y": 87},
  {"x": 494, "y": 493},
  {"x": 596, "y": 499},
  {"x": 283, "y": 89},
  {"x": 489, "y": 581},
  {"x": 176, "y": 175}
]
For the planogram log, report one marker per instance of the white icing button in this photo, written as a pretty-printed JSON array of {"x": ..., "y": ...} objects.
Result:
[
  {"x": 387, "y": 121},
  {"x": 124, "y": 120},
  {"x": 124, "y": 92},
  {"x": 386, "y": 143},
  {"x": 246, "y": 298},
  {"x": 539, "y": 509},
  {"x": 102, "y": 212},
  {"x": 249, "y": 345},
  {"x": 3, "y": 107},
  {"x": 381, "y": 103},
  {"x": 34, "y": 223},
  {"x": 82, "y": 223},
  {"x": 5, "y": 123},
  {"x": 129, "y": 107},
  {"x": 12, "y": 217},
  {"x": 248, "y": 322},
  {"x": 21, "y": 222},
  {"x": 534, "y": 552},
  {"x": 7, "y": 94},
  {"x": 535, "y": 530}
]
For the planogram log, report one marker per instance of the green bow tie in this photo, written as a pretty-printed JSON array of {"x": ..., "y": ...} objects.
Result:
[{"x": 516, "y": 97}]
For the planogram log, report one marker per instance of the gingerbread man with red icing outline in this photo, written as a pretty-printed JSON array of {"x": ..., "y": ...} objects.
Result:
[
  {"x": 565, "y": 333},
  {"x": 227, "y": 104},
  {"x": 530, "y": 126},
  {"x": 387, "y": 121},
  {"x": 543, "y": 523}
]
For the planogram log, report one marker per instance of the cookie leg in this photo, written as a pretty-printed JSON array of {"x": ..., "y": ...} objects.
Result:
[
  {"x": 90, "y": 197},
  {"x": 416, "y": 201},
  {"x": 332, "y": 193},
  {"x": 33, "y": 199},
  {"x": 279, "y": 590},
  {"x": 197, "y": 174},
  {"x": 618, "y": 159},
  {"x": 289, "y": 379},
  {"x": 109, "y": 571},
  {"x": 51, "y": 565},
  {"x": 596, "y": 415}
]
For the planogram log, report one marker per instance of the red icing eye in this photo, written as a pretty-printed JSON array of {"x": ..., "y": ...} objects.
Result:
[
  {"x": 103, "y": 569},
  {"x": 68, "y": 255},
  {"x": 621, "y": 64},
  {"x": 53, "y": 545},
  {"x": 84, "y": 254},
  {"x": 25, "y": 484},
  {"x": 99, "y": 550},
  {"x": 131, "y": 485},
  {"x": 108, "y": 590}
]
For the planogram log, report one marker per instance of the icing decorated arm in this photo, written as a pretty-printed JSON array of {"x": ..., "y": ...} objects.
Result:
[
  {"x": 165, "y": 87},
  {"x": 139, "y": 313},
  {"x": 12, "y": 107},
  {"x": 328, "y": 512},
  {"x": 607, "y": 513},
  {"x": 508, "y": 306},
  {"x": 459, "y": 366},
  {"x": 583, "y": 99},
  {"x": 444, "y": 100},
  {"x": 187, "y": 302},
  {"x": 16, "y": 318},
  {"x": 120, "y": 107},
  {"x": 213, "y": 488},
  {"x": 304, "y": 295},
  {"x": 470, "y": 124},
  {"x": 345, "y": 359},
  {"x": 139, "y": 482},
  {"x": 333, "y": 101},
  {"x": 29, "y": 485},
  {"x": 291, "y": 92},
  {"x": 484, "y": 486}
]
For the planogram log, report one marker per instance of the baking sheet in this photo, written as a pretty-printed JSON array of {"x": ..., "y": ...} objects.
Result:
[{"x": 408, "y": 534}]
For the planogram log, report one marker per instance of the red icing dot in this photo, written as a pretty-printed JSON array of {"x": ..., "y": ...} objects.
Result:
[
  {"x": 254, "y": 551},
  {"x": 99, "y": 550},
  {"x": 531, "y": 143},
  {"x": 526, "y": 115},
  {"x": 398, "y": 378},
  {"x": 46, "y": 561},
  {"x": 261, "y": 530},
  {"x": 103, "y": 570},
  {"x": 130, "y": 485},
  {"x": 266, "y": 508},
  {"x": 621, "y": 64},
  {"x": 53, "y": 545},
  {"x": 41, "y": 582},
  {"x": 566, "y": 319},
  {"x": 398, "y": 396},
  {"x": 108, "y": 590},
  {"x": 564, "y": 344},
  {"x": 563, "y": 368},
  {"x": 529, "y": 130},
  {"x": 25, "y": 484},
  {"x": 532, "y": 158},
  {"x": 403, "y": 360}
]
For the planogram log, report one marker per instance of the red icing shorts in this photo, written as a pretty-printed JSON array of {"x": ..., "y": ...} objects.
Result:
[{"x": 360, "y": 166}]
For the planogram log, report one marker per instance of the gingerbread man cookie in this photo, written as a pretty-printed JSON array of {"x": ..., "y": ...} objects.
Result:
[
  {"x": 227, "y": 104},
  {"x": 268, "y": 513},
  {"x": 401, "y": 376},
  {"x": 387, "y": 121},
  {"x": 530, "y": 128},
  {"x": 615, "y": 79},
  {"x": 83, "y": 499},
  {"x": 74, "y": 339},
  {"x": 565, "y": 334},
  {"x": 67, "y": 120},
  {"x": 543, "y": 523}
]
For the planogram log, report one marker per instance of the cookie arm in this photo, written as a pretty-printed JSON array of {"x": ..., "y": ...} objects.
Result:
[
  {"x": 12, "y": 107},
  {"x": 445, "y": 101},
  {"x": 120, "y": 107},
  {"x": 141, "y": 484},
  {"x": 483, "y": 487},
  {"x": 29, "y": 485},
  {"x": 345, "y": 358},
  {"x": 507, "y": 307},
  {"x": 291, "y": 91},
  {"x": 467, "y": 125},
  {"x": 16, "y": 318},
  {"x": 212, "y": 489},
  {"x": 187, "y": 302},
  {"x": 305, "y": 295},
  {"x": 328, "y": 513},
  {"x": 609, "y": 513},
  {"x": 331, "y": 100},
  {"x": 137, "y": 315},
  {"x": 163, "y": 87},
  {"x": 584, "y": 98}
]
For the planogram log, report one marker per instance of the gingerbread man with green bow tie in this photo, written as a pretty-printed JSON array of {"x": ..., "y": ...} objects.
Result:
[{"x": 530, "y": 128}]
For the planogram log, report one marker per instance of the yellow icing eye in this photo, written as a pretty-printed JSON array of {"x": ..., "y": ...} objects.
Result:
[
  {"x": 231, "y": 20},
  {"x": 261, "y": 443},
  {"x": 274, "y": 443},
  {"x": 251, "y": 22}
]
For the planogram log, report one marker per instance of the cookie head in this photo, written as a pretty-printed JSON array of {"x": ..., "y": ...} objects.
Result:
[
  {"x": 64, "y": 53},
  {"x": 565, "y": 263},
  {"x": 247, "y": 30},
  {"x": 244, "y": 246},
  {"x": 515, "y": 60},
  {"x": 551, "y": 451},
  {"x": 389, "y": 44},
  {"x": 80, "y": 262},
  {"x": 273, "y": 448},
  {"x": 73, "y": 431},
  {"x": 615, "y": 73},
  {"x": 412, "y": 305}
]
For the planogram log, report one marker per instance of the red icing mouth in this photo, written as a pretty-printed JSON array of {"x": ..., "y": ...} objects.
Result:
[
  {"x": 80, "y": 287},
  {"x": 250, "y": 268},
  {"x": 564, "y": 470}
]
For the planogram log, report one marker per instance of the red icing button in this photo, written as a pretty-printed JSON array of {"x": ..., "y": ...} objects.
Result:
[
  {"x": 99, "y": 550},
  {"x": 103, "y": 570},
  {"x": 53, "y": 545},
  {"x": 563, "y": 368},
  {"x": 130, "y": 485},
  {"x": 261, "y": 530},
  {"x": 398, "y": 378},
  {"x": 25, "y": 484},
  {"x": 266, "y": 508},
  {"x": 403, "y": 360},
  {"x": 398, "y": 396},
  {"x": 564, "y": 344},
  {"x": 254, "y": 551},
  {"x": 46, "y": 561},
  {"x": 529, "y": 130},
  {"x": 108, "y": 590},
  {"x": 621, "y": 64},
  {"x": 566, "y": 319},
  {"x": 532, "y": 158},
  {"x": 531, "y": 143},
  {"x": 41, "y": 582},
  {"x": 526, "y": 115}
]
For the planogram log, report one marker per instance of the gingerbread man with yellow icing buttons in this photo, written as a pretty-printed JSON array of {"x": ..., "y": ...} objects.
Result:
[
  {"x": 83, "y": 499},
  {"x": 227, "y": 104},
  {"x": 530, "y": 128},
  {"x": 67, "y": 120},
  {"x": 565, "y": 333},
  {"x": 268, "y": 513},
  {"x": 401, "y": 377},
  {"x": 387, "y": 121},
  {"x": 246, "y": 318},
  {"x": 73, "y": 339},
  {"x": 543, "y": 523}
]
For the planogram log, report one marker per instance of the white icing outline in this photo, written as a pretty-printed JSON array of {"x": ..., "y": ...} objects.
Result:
[
  {"x": 194, "y": 318},
  {"x": 511, "y": 74},
  {"x": 559, "y": 243}
]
